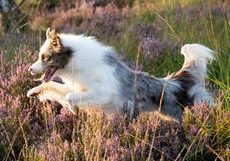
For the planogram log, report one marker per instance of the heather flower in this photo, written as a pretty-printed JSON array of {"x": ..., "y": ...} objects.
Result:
[
  {"x": 37, "y": 130},
  {"x": 146, "y": 30},
  {"x": 150, "y": 44},
  {"x": 201, "y": 111},
  {"x": 151, "y": 48},
  {"x": 193, "y": 130},
  {"x": 53, "y": 149}
]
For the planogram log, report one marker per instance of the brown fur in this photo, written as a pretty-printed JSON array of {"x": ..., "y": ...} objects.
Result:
[
  {"x": 56, "y": 55},
  {"x": 187, "y": 81}
]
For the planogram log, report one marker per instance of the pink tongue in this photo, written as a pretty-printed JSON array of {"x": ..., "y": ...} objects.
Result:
[{"x": 49, "y": 72}]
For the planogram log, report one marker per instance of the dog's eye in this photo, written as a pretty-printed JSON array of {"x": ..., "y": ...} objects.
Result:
[
  {"x": 45, "y": 58},
  {"x": 54, "y": 43}
]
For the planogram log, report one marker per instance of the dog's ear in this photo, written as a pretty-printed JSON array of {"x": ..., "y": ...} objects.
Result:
[
  {"x": 54, "y": 39},
  {"x": 48, "y": 33}
]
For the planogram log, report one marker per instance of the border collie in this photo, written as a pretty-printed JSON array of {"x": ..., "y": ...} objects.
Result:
[{"x": 93, "y": 75}]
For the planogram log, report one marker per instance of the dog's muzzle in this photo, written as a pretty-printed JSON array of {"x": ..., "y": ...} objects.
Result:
[{"x": 31, "y": 71}]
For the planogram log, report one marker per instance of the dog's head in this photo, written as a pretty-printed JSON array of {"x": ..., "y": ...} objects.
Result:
[{"x": 52, "y": 56}]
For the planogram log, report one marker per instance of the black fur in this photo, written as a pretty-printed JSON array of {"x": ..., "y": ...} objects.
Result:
[{"x": 61, "y": 58}]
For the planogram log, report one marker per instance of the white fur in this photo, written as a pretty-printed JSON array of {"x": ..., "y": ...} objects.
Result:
[
  {"x": 37, "y": 67},
  {"x": 196, "y": 58},
  {"x": 88, "y": 70},
  {"x": 197, "y": 51}
]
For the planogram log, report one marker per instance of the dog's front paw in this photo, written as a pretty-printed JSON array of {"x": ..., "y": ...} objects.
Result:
[{"x": 34, "y": 92}]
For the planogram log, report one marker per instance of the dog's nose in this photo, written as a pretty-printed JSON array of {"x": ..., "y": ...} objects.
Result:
[{"x": 30, "y": 69}]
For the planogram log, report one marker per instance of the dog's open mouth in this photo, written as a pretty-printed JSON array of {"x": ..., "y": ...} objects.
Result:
[{"x": 49, "y": 72}]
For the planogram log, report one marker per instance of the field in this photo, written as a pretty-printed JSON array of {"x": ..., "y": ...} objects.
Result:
[{"x": 148, "y": 34}]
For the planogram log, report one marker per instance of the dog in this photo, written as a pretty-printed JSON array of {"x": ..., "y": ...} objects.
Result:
[{"x": 94, "y": 75}]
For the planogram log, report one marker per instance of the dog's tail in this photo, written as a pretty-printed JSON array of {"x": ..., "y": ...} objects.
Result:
[
  {"x": 192, "y": 75},
  {"x": 196, "y": 59}
]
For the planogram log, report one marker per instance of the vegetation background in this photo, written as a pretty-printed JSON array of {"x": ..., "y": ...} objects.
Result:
[{"x": 148, "y": 34}]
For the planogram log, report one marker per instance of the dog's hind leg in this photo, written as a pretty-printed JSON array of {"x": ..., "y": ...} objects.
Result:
[{"x": 201, "y": 95}]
